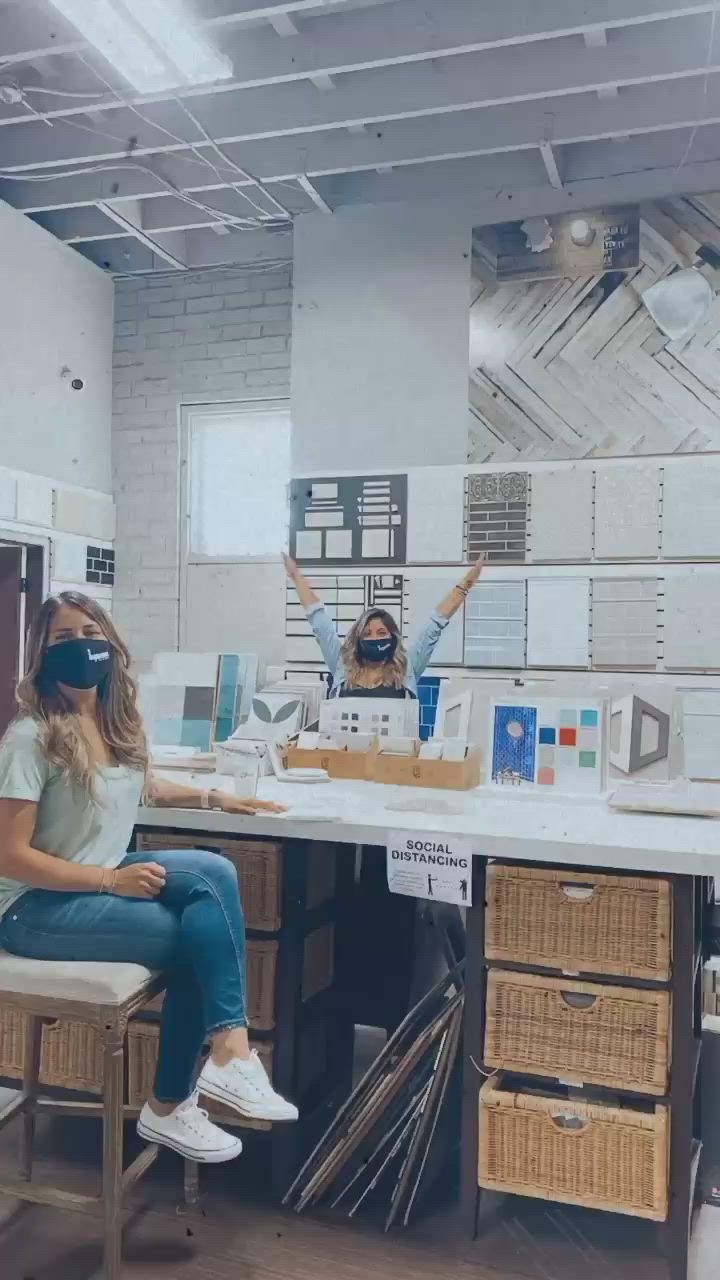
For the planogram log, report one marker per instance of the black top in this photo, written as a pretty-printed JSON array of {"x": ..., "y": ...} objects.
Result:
[{"x": 382, "y": 691}]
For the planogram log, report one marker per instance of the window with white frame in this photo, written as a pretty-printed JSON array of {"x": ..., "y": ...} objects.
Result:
[{"x": 238, "y": 474}]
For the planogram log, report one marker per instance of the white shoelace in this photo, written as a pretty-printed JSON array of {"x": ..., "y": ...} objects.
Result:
[{"x": 194, "y": 1117}]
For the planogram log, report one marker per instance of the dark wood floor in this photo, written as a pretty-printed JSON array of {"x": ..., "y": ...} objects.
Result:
[{"x": 240, "y": 1238}]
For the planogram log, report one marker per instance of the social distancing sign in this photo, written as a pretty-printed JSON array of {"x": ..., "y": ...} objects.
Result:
[{"x": 438, "y": 868}]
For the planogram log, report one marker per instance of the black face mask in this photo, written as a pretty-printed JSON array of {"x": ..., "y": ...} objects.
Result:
[
  {"x": 79, "y": 664},
  {"x": 378, "y": 650}
]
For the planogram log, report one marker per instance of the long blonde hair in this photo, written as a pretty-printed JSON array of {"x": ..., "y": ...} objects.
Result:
[
  {"x": 119, "y": 721},
  {"x": 394, "y": 672}
]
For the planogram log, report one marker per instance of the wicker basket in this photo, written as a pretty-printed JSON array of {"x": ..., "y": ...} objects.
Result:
[
  {"x": 602, "y": 1157},
  {"x": 142, "y": 1052},
  {"x": 261, "y": 975},
  {"x": 319, "y": 961},
  {"x": 70, "y": 1053},
  {"x": 258, "y": 863},
  {"x": 578, "y": 1031},
  {"x": 579, "y": 922}
]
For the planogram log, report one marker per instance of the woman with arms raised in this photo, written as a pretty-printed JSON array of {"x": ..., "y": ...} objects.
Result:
[
  {"x": 372, "y": 660},
  {"x": 73, "y": 768}
]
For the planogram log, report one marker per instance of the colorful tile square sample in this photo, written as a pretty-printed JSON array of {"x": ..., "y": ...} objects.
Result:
[
  {"x": 237, "y": 683},
  {"x": 495, "y": 625},
  {"x": 549, "y": 743},
  {"x": 496, "y": 516},
  {"x": 514, "y": 744},
  {"x": 358, "y": 518}
]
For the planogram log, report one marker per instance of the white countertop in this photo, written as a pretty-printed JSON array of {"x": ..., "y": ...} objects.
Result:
[{"x": 523, "y": 827}]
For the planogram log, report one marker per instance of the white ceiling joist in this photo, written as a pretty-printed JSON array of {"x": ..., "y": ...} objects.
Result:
[
  {"x": 478, "y": 81},
  {"x": 549, "y": 159},
  {"x": 313, "y": 193},
  {"x": 407, "y": 31},
  {"x": 654, "y": 109},
  {"x": 169, "y": 248},
  {"x": 283, "y": 25}
]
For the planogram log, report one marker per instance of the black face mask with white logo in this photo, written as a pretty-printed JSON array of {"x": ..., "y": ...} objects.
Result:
[
  {"x": 378, "y": 650},
  {"x": 78, "y": 664}
]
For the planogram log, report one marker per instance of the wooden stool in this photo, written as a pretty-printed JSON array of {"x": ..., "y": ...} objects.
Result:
[{"x": 105, "y": 996}]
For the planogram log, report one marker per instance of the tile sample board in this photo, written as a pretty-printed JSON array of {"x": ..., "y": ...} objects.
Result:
[
  {"x": 435, "y": 515},
  {"x": 625, "y": 622},
  {"x": 550, "y": 743},
  {"x": 701, "y": 735},
  {"x": 561, "y": 514},
  {"x": 639, "y": 740},
  {"x": 34, "y": 501},
  {"x": 8, "y": 495},
  {"x": 349, "y": 519},
  {"x": 88, "y": 513},
  {"x": 627, "y": 512},
  {"x": 495, "y": 625},
  {"x": 345, "y": 597},
  {"x": 691, "y": 502},
  {"x": 422, "y": 596},
  {"x": 496, "y": 516},
  {"x": 184, "y": 699},
  {"x": 692, "y": 622},
  {"x": 558, "y": 622}
]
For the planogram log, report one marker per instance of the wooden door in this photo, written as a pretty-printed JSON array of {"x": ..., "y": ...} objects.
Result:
[{"x": 10, "y": 630}]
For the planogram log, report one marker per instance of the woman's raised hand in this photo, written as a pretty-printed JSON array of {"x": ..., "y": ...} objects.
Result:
[
  {"x": 474, "y": 572},
  {"x": 291, "y": 568}
]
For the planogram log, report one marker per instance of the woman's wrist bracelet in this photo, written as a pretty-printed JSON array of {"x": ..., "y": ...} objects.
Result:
[{"x": 460, "y": 586}]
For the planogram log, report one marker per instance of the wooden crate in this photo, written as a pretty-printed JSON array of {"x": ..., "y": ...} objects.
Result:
[
  {"x": 582, "y": 1032},
  {"x": 142, "y": 1052},
  {"x": 579, "y": 922},
  {"x": 71, "y": 1056},
  {"x": 258, "y": 864},
  {"x": 603, "y": 1157}
]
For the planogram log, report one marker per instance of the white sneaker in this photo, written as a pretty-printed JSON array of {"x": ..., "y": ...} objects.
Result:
[
  {"x": 244, "y": 1085},
  {"x": 188, "y": 1131}
]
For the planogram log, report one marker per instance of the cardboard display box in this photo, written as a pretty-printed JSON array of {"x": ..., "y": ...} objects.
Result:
[{"x": 394, "y": 770}]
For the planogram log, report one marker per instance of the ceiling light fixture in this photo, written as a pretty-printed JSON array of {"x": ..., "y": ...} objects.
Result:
[{"x": 155, "y": 44}]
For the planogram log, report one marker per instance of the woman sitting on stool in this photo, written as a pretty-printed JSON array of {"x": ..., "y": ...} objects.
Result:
[
  {"x": 73, "y": 768},
  {"x": 372, "y": 661}
]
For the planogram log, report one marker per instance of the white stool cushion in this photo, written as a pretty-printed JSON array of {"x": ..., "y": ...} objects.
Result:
[{"x": 71, "y": 979}]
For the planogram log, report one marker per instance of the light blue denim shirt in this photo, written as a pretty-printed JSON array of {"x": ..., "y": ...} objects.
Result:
[{"x": 331, "y": 646}]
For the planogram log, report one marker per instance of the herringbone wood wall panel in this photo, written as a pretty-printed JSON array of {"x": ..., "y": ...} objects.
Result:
[{"x": 578, "y": 368}]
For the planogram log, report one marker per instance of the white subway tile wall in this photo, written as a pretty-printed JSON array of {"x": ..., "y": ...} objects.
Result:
[{"x": 199, "y": 339}]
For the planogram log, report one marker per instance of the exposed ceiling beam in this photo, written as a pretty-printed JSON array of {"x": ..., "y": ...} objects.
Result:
[
  {"x": 652, "y": 109},
  {"x": 168, "y": 248},
  {"x": 596, "y": 38},
  {"x": 283, "y": 25},
  {"x": 478, "y": 80},
  {"x": 404, "y": 32},
  {"x": 313, "y": 193},
  {"x": 461, "y": 181},
  {"x": 549, "y": 159},
  {"x": 323, "y": 81}
]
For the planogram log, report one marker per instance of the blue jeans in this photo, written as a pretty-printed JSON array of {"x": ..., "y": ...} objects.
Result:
[{"x": 194, "y": 931}]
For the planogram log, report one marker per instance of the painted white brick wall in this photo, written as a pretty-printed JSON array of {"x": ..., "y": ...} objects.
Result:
[{"x": 190, "y": 339}]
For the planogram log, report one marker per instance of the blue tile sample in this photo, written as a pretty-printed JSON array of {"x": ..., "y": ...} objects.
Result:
[
  {"x": 428, "y": 694},
  {"x": 547, "y": 737},
  {"x": 514, "y": 742}
]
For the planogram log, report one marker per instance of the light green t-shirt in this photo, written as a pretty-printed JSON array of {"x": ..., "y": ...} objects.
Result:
[{"x": 70, "y": 824}]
